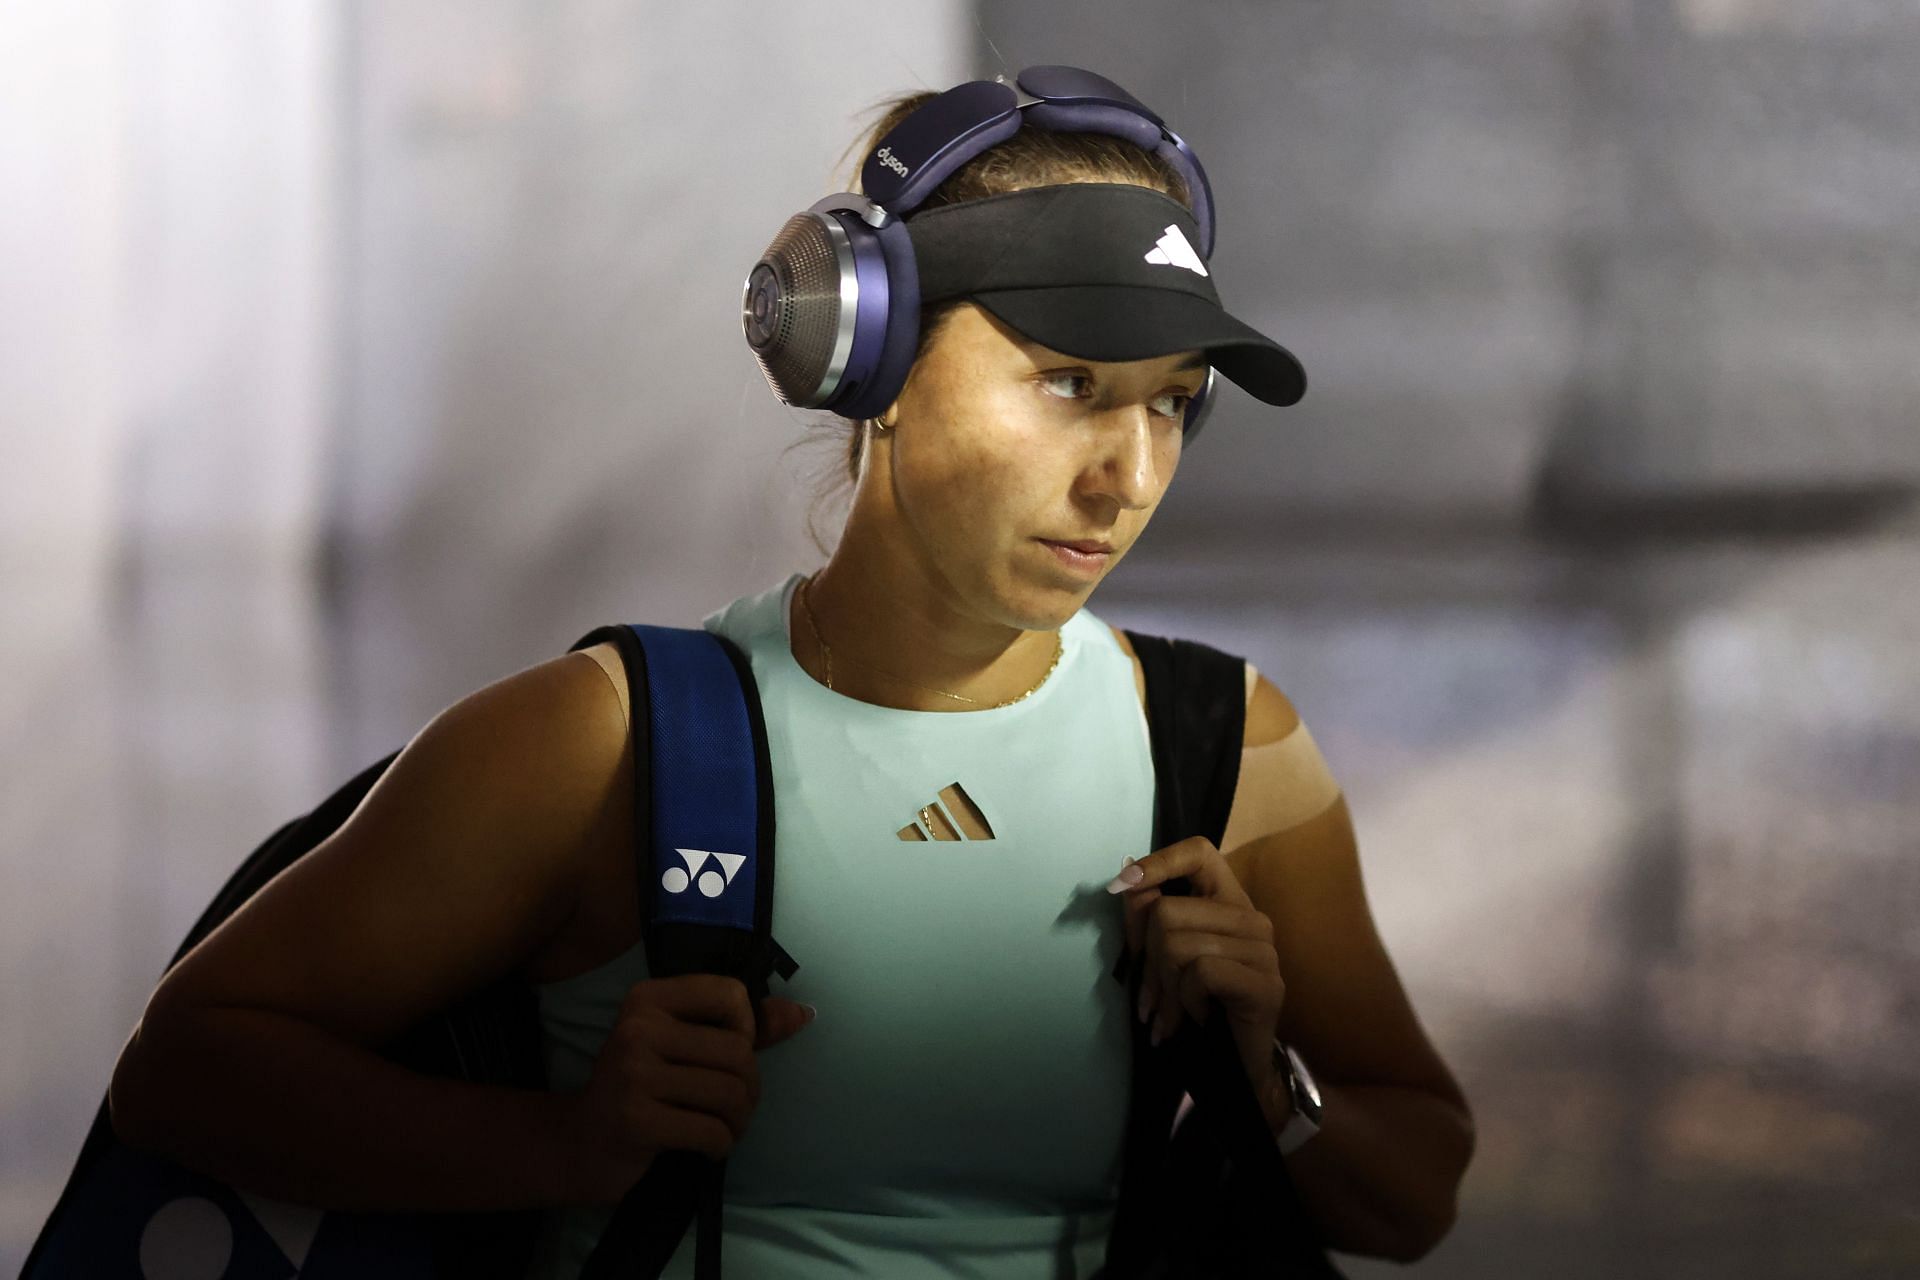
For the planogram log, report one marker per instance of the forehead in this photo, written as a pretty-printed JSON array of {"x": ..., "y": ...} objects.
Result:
[{"x": 984, "y": 333}]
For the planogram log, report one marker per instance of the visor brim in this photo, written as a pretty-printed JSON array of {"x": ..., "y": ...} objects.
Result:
[{"x": 1127, "y": 322}]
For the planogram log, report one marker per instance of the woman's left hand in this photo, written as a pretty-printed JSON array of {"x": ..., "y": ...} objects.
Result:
[{"x": 1210, "y": 945}]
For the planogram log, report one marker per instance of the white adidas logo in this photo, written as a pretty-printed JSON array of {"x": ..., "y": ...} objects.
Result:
[
  {"x": 712, "y": 882},
  {"x": 1172, "y": 250}
]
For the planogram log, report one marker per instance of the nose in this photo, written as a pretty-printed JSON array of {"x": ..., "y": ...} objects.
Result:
[{"x": 1123, "y": 469}]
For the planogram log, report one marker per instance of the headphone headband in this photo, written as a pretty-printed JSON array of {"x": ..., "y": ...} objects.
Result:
[{"x": 941, "y": 135}]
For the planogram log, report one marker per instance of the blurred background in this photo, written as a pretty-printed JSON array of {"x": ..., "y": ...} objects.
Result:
[{"x": 353, "y": 356}]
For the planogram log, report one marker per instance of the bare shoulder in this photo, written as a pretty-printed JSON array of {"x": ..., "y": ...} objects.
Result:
[
  {"x": 1284, "y": 780},
  {"x": 1271, "y": 715},
  {"x": 606, "y": 655}
]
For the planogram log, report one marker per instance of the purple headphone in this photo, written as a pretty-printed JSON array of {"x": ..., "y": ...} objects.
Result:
[{"x": 832, "y": 309}]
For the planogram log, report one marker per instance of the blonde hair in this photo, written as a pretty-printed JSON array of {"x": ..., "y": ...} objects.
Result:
[{"x": 1030, "y": 158}]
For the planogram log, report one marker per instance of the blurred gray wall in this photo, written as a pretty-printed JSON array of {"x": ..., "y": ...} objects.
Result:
[
  {"x": 549, "y": 420},
  {"x": 1661, "y": 244}
]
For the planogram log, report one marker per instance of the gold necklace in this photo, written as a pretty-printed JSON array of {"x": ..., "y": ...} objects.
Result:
[{"x": 806, "y": 602}]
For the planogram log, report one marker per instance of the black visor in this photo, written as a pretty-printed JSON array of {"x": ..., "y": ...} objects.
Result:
[{"x": 1103, "y": 271}]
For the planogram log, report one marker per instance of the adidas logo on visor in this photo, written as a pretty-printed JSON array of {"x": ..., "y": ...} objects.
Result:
[
  {"x": 713, "y": 881},
  {"x": 1172, "y": 250}
]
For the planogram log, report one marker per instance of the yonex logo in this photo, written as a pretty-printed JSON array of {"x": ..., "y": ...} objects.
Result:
[
  {"x": 713, "y": 881},
  {"x": 1172, "y": 250},
  {"x": 886, "y": 157}
]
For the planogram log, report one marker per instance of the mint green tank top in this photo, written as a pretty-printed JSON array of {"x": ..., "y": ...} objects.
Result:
[{"x": 958, "y": 1106}]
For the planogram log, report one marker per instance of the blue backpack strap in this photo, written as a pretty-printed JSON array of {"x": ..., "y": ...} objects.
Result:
[
  {"x": 704, "y": 853},
  {"x": 1216, "y": 1199}
]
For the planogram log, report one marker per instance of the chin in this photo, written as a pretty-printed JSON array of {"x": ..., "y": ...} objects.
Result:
[
  {"x": 1053, "y": 610},
  {"x": 1042, "y": 602}
]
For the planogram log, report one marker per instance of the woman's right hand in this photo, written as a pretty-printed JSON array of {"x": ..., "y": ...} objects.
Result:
[{"x": 677, "y": 1073}]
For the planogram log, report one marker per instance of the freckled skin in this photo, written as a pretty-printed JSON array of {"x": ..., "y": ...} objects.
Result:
[{"x": 994, "y": 441}]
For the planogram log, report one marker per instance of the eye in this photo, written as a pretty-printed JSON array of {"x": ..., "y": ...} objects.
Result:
[
  {"x": 1178, "y": 410},
  {"x": 1168, "y": 404},
  {"x": 1050, "y": 378}
]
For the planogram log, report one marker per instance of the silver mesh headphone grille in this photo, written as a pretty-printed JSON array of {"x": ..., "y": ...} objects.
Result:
[{"x": 806, "y": 353}]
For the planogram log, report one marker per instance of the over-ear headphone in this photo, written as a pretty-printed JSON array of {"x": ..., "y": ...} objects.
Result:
[{"x": 832, "y": 308}]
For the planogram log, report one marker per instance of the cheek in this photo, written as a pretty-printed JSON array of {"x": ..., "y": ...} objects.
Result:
[
  {"x": 972, "y": 466},
  {"x": 1168, "y": 460}
]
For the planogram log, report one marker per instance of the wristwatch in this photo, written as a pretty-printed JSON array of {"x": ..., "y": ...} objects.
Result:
[{"x": 1305, "y": 1120}]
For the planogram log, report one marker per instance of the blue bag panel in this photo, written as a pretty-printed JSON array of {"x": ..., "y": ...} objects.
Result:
[
  {"x": 142, "y": 1217},
  {"x": 706, "y": 843}
]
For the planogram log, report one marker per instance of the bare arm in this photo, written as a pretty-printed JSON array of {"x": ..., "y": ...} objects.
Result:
[
  {"x": 265, "y": 1101},
  {"x": 1382, "y": 1176},
  {"x": 254, "y": 1060}
]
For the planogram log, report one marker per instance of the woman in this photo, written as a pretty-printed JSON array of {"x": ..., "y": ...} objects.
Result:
[{"x": 961, "y": 767}]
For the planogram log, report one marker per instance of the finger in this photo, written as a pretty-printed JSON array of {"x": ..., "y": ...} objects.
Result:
[
  {"x": 1197, "y": 971},
  {"x": 1195, "y": 858},
  {"x": 691, "y": 1044},
  {"x": 692, "y": 1129},
  {"x": 1210, "y": 924},
  {"x": 1178, "y": 929},
  {"x": 720, "y": 1094},
  {"x": 1141, "y": 909},
  {"x": 1136, "y": 918},
  {"x": 1144, "y": 1006},
  {"x": 1196, "y": 996},
  {"x": 1173, "y": 913},
  {"x": 1174, "y": 1003},
  {"x": 714, "y": 999},
  {"x": 781, "y": 1019}
]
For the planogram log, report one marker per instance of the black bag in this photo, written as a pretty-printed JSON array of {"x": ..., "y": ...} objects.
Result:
[{"x": 118, "y": 1202}]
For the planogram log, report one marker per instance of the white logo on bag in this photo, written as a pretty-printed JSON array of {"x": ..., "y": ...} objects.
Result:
[
  {"x": 712, "y": 882},
  {"x": 886, "y": 157},
  {"x": 1172, "y": 250}
]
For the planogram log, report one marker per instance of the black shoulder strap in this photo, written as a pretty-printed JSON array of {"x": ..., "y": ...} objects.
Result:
[
  {"x": 1219, "y": 1201},
  {"x": 1196, "y": 709}
]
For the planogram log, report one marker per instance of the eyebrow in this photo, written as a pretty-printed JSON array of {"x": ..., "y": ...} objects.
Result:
[{"x": 1199, "y": 361}]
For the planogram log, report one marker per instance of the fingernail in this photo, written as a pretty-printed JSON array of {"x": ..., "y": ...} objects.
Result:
[
  {"x": 812, "y": 1012},
  {"x": 1146, "y": 1003},
  {"x": 1127, "y": 879}
]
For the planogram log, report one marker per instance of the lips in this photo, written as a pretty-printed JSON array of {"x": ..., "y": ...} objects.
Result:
[{"x": 1084, "y": 544}]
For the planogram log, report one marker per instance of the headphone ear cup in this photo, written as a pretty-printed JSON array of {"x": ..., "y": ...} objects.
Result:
[
  {"x": 1198, "y": 410},
  {"x": 793, "y": 310},
  {"x": 898, "y": 312}
]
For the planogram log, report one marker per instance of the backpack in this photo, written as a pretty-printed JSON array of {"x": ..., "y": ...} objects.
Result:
[{"x": 1211, "y": 1199}]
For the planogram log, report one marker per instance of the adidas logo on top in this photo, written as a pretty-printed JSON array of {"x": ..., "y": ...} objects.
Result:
[
  {"x": 958, "y": 819},
  {"x": 712, "y": 881},
  {"x": 1172, "y": 250}
]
